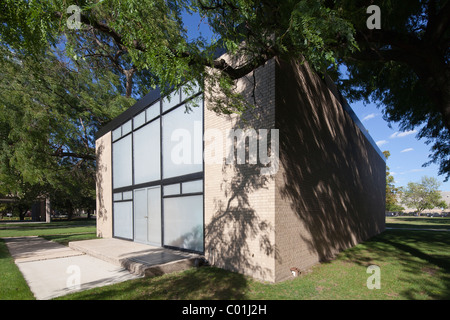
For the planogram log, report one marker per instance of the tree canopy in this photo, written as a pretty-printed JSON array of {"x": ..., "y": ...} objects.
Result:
[
  {"x": 423, "y": 195},
  {"x": 403, "y": 65}
]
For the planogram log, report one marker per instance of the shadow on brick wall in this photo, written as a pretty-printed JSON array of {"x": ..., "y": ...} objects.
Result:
[
  {"x": 332, "y": 178},
  {"x": 239, "y": 237}
]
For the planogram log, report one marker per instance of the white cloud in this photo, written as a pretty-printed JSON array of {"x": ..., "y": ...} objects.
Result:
[
  {"x": 381, "y": 142},
  {"x": 407, "y": 150},
  {"x": 370, "y": 116},
  {"x": 402, "y": 134}
]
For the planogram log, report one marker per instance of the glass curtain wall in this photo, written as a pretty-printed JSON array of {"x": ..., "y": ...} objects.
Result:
[{"x": 157, "y": 156}]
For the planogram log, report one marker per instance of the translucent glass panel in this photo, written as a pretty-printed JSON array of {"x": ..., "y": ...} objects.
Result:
[
  {"x": 123, "y": 219},
  {"x": 193, "y": 90},
  {"x": 139, "y": 120},
  {"x": 183, "y": 222},
  {"x": 122, "y": 162},
  {"x": 126, "y": 128},
  {"x": 171, "y": 100},
  {"x": 146, "y": 153},
  {"x": 153, "y": 111},
  {"x": 192, "y": 186},
  {"x": 172, "y": 189},
  {"x": 117, "y": 133},
  {"x": 182, "y": 142}
]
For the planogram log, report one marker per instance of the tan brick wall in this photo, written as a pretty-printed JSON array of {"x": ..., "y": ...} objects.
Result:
[
  {"x": 239, "y": 201},
  {"x": 104, "y": 186},
  {"x": 331, "y": 184}
]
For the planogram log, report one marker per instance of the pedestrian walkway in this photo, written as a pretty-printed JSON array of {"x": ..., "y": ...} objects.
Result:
[{"x": 52, "y": 270}]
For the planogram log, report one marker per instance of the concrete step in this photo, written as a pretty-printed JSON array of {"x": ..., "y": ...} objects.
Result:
[{"x": 139, "y": 259}]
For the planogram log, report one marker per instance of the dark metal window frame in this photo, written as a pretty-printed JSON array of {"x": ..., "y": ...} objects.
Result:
[{"x": 162, "y": 181}]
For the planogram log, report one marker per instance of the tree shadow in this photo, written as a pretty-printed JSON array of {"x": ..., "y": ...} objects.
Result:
[
  {"x": 425, "y": 269},
  {"x": 239, "y": 231},
  {"x": 204, "y": 283},
  {"x": 331, "y": 177},
  {"x": 102, "y": 203}
]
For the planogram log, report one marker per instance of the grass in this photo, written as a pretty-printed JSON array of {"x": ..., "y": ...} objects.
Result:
[
  {"x": 12, "y": 284},
  {"x": 418, "y": 222},
  {"x": 414, "y": 265}
]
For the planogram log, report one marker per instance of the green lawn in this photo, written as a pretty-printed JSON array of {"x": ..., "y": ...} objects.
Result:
[
  {"x": 414, "y": 265},
  {"x": 59, "y": 231},
  {"x": 418, "y": 222}
]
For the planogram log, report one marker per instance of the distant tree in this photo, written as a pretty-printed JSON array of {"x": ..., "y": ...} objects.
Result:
[
  {"x": 391, "y": 191},
  {"x": 423, "y": 195}
]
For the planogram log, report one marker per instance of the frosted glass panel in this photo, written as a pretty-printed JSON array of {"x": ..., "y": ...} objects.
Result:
[
  {"x": 174, "y": 100},
  {"x": 172, "y": 189},
  {"x": 117, "y": 196},
  {"x": 123, "y": 217},
  {"x": 153, "y": 111},
  {"x": 194, "y": 90},
  {"x": 126, "y": 128},
  {"x": 182, "y": 142},
  {"x": 139, "y": 120},
  {"x": 122, "y": 171},
  {"x": 127, "y": 195},
  {"x": 147, "y": 156},
  {"x": 192, "y": 186},
  {"x": 183, "y": 222},
  {"x": 116, "y": 134},
  {"x": 140, "y": 216},
  {"x": 154, "y": 215}
]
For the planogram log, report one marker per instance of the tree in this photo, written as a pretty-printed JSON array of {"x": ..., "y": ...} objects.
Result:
[
  {"x": 403, "y": 65},
  {"x": 391, "y": 191},
  {"x": 423, "y": 195},
  {"x": 50, "y": 107}
]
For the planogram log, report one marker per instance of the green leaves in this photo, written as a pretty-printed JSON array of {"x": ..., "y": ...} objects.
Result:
[
  {"x": 423, "y": 195},
  {"x": 320, "y": 34}
]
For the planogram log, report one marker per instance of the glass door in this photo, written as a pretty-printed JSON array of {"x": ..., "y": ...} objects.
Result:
[{"x": 147, "y": 215}]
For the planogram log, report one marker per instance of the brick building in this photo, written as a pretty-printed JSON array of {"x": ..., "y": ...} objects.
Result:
[{"x": 310, "y": 184}]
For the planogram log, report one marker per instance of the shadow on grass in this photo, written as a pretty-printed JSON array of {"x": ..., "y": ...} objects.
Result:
[
  {"x": 423, "y": 257},
  {"x": 204, "y": 283}
]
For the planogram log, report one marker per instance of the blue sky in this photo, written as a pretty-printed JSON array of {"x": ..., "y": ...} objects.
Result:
[{"x": 408, "y": 154}]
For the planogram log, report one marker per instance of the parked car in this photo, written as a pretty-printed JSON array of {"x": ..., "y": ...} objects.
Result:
[{"x": 9, "y": 214}]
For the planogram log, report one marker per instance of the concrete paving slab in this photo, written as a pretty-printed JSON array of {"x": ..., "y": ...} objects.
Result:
[
  {"x": 33, "y": 248},
  {"x": 53, "y": 270},
  {"x": 52, "y": 278}
]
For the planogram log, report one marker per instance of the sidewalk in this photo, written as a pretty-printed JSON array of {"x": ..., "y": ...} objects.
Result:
[{"x": 53, "y": 270}]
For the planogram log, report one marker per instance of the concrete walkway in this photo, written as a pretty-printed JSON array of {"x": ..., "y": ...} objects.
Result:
[{"x": 53, "y": 270}]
